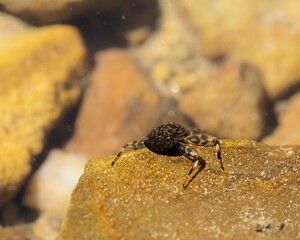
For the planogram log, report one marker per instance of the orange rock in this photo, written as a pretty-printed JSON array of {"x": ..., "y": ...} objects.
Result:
[{"x": 119, "y": 106}]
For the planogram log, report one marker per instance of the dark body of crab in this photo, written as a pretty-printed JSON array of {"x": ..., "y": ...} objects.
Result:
[
  {"x": 173, "y": 139},
  {"x": 165, "y": 139}
]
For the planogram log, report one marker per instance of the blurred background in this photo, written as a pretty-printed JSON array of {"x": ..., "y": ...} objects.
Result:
[{"x": 80, "y": 78}]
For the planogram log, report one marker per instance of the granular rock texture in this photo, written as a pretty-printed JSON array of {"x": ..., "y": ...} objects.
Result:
[{"x": 141, "y": 197}]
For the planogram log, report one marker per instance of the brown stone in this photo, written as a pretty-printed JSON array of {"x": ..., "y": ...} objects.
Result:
[
  {"x": 288, "y": 129},
  {"x": 142, "y": 197},
  {"x": 232, "y": 103},
  {"x": 119, "y": 106}
]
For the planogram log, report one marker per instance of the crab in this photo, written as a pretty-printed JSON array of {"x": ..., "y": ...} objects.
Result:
[{"x": 172, "y": 139}]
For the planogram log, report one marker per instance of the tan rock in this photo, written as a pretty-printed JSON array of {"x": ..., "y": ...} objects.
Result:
[
  {"x": 276, "y": 51},
  {"x": 288, "y": 129},
  {"x": 232, "y": 103},
  {"x": 39, "y": 70},
  {"x": 141, "y": 197},
  {"x": 221, "y": 24}
]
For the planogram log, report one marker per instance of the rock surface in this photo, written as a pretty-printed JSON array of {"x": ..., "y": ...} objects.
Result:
[
  {"x": 288, "y": 129},
  {"x": 231, "y": 104},
  {"x": 40, "y": 70},
  {"x": 257, "y": 196}
]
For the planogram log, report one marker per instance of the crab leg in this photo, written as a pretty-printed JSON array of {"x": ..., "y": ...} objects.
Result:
[
  {"x": 199, "y": 163},
  {"x": 206, "y": 140},
  {"x": 133, "y": 145}
]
